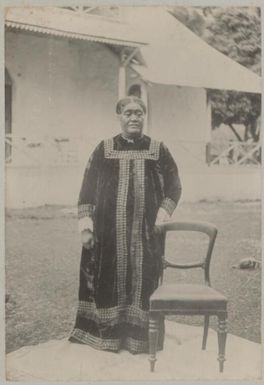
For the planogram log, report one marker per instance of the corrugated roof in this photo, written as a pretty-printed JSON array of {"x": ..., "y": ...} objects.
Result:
[
  {"x": 173, "y": 54},
  {"x": 65, "y": 23}
]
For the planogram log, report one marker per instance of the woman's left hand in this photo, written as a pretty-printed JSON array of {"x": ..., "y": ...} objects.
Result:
[{"x": 162, "y": 216}]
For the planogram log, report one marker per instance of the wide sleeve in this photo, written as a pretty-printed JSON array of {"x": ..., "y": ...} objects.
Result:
[
  {"x": 86, "y": 201},
  {"x": 172, "y": 183}
]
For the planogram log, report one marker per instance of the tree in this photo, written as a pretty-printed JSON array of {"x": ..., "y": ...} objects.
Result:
[
  {"x": 236, "y": 32},
  {"x": 231, "y": 107},
  {"x": 191, "y": 17}
]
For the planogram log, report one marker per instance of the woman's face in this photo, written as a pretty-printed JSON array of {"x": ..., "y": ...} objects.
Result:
[{"x": 132, "y": 119}]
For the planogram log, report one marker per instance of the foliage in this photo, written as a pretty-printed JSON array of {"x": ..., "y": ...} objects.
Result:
[
  {"x": 191, "y": 18},
  {"x": 231, "y": 107},
  {"x": 236, "y": 32}
]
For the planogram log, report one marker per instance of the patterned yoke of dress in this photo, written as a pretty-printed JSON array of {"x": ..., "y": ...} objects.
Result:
[{"x": 123, "y": 188}]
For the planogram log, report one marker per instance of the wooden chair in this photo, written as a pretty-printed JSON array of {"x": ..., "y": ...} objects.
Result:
[{"x": 189, "y": 299}]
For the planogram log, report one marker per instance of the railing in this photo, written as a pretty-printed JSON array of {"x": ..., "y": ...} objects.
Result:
[{"x": 234, "y": 153}]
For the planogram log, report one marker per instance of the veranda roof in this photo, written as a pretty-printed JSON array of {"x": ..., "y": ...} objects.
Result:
[
  {"x": 62, "y": 22},
  {"x": 173, "y": 54},
  {"x": 176, "y": 56}
]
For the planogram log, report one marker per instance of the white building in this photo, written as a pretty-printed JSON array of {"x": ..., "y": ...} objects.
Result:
[{"x": 65, "y": 70}]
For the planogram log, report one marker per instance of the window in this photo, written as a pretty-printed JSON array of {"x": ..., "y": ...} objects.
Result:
[
  {"x": 140, "y": 90},
  {"x": 135, "y": 90}
]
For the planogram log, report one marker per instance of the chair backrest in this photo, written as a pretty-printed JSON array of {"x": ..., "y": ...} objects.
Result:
[{"x": 202, "y": 227}]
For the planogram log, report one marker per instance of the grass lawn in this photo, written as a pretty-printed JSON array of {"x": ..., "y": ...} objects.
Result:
[{"x": 42, "y": 268}]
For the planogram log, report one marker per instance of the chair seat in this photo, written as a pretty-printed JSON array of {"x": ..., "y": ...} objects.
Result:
[{"x": 181, "y": 297}]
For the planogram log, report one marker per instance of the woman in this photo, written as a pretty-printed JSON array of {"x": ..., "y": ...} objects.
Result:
[{"x": 130, "y": 185}]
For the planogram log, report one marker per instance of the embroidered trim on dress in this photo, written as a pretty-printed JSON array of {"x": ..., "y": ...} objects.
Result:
[
  {"x": 152, "y": 153},
  {"x": 113, "y": 315},
  {"x": 96, "y": 342},
  {"x": 85, "y": 210},
  {"x": 133, "y": 345},
  {"x": 121, "y": 225},
  {"x": 136, "y": 248},
  {"x": 169, "y": 205}
]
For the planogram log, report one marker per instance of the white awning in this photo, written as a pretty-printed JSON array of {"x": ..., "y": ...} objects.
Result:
[
  {"x": 176, "y": 56},
  {"x": 61, "y": 22}
]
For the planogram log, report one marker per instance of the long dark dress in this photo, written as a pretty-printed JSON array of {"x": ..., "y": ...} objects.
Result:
[{"x": 124, "y": 185}]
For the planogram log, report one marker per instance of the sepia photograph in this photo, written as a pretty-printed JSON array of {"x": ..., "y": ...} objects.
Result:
[{"x": 133, "y": 193}]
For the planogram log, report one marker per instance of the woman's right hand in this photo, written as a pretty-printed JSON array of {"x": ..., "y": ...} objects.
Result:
[{"x": 87, "y": 238}]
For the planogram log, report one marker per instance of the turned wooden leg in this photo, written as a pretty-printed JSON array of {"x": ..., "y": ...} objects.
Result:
[
  {"x": 161, "y": 332},
  {"x": 153, "y": 339},
  {"x": 222, "y": 333},
  {"x": 205, "y": 333}
]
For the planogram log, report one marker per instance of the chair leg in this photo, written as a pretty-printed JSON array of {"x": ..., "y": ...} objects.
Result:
[
  {"x": 205, "y": 333},
  {"x": 161, "y": 332},
  {"x": 222, "y": 333},
  {"x": 153, "y": 339}
]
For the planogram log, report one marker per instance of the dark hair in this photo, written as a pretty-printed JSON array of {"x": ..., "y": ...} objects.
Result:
[{"x": 129, "y": 99}]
